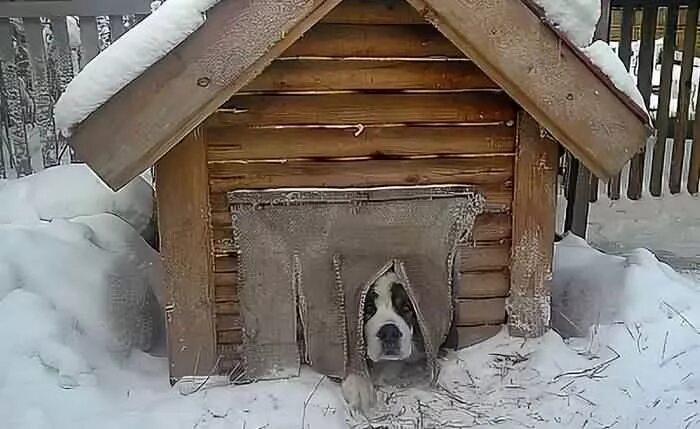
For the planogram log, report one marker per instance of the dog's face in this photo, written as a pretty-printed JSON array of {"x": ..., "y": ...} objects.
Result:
[{"x": 389, "y": 320}]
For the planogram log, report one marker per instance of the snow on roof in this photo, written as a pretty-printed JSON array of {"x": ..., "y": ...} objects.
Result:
[
  {"x": 604, "y": 57},
  {"x": 577, "y": 19},
  {"x": 129, "y": 57}
]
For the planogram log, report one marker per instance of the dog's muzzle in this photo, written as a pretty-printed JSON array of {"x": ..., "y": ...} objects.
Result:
[{"x": 390, "y": 337}]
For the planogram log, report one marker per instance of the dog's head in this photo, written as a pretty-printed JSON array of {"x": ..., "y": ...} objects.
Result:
[{"x": 389, "y": 320}]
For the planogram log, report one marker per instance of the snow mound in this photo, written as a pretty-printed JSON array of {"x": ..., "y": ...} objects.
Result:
[
  {"x": 128, "y": 57},
  {"x": 577, "y": 19},
  {"x": 68, "y": 191},
  {"x": 97, "y": 271},
  {"x": 70, "y": 353}
]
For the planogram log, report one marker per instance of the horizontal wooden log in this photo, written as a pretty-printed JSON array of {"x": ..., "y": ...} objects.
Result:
[
  {"x": 228, "y": 322},
  {"x": 471, "y": 335},
  {"x": 473, "y": 312},
  {"x": 477, "y": 171},
  {"x": 225, "y": 263},
  {"x": 229, "y": 337},
  {"x": 354, "y": 109},
  {"x": 488, "y": 227},
  {"x": 392, "y": 41},
  {"x": 483, "y": 284},
  {"x": 243, "y": 143},
  {"x": 322, "y": 75},
  {"x": 484, "y": 257},
  {"x": 227, "y": 308},
  {"x": 225, "y": 284},
  {"x": 373, "y": 12},
  {"x": 492, "y": 227},
  {"x": 230, "y": 354}
]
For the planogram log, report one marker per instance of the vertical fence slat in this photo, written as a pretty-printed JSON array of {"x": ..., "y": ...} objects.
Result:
[
  {"x": 602, "y": 32},
  {"x": 16, "y": 127},
  {"x": 624, "y": 51},
  {"x": 5, "y": 55},
  {"x": 34, "y": 29},
  {"x": 577, "y": 197},
  {"x": 694, "y": 170},
  {"x": 62, "y": 60},
  {"x": 116, "y": 27},
  {"x": 685, "y": 86},
  {"x": 645, "y": 71},
  {"x": 89, "y": 39},
  {"x": 662, "y": 112}
]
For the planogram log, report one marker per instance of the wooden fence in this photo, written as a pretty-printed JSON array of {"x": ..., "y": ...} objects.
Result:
[
  {"x": 657, "y": 41},
  {"x": 42, "y": 45}
]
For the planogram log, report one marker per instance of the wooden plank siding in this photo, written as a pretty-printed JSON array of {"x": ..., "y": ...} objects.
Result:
[
  {"x": 373, "y": 12},
  {"x": 361, "y": 101},
  {"x": 367, "y": 109},
  {"x": 315, "y": 75},
  {"x": 373, "y": 41}
]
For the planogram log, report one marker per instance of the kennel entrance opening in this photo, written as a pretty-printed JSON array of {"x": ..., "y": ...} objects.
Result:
[{"x": 313, "y": 252}]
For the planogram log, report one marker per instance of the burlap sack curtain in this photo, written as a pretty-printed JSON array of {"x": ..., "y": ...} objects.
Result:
[{"x": 308, "y": 257}]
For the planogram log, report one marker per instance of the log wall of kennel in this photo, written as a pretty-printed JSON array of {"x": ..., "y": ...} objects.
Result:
[{"x": 365, "y": 98}]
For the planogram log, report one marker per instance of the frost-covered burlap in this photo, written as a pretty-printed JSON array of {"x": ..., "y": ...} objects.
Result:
[{"x": 308, "y": 257}]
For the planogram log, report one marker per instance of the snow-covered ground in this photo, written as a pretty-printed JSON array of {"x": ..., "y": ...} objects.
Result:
[{"x": 68, "y": 246}]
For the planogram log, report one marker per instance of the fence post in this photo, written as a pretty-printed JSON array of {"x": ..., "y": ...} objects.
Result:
[{"x": 582, "y": 185}]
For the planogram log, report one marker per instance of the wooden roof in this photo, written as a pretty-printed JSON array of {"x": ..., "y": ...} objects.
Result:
[{"x": 507, "y": 39}]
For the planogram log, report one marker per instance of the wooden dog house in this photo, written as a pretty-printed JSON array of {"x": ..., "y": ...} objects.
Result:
[{"x": 353, "y": 93}]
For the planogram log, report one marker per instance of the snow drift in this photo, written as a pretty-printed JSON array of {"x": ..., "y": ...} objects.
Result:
[{"x": 631, "y": 360}]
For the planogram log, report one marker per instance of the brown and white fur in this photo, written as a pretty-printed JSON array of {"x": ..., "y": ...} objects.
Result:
[{"x": 392, "y": 338}]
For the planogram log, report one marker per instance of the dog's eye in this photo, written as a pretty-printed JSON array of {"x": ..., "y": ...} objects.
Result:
[{"x": 370, "y": 306}]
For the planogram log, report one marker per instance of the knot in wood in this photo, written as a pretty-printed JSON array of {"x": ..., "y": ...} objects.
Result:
[{"x": 203, "y": 82}]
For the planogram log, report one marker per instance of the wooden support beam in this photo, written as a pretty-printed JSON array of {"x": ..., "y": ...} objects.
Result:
[
  {"x": 534, "y": 212},
  {"x": 185, "y": 232}
]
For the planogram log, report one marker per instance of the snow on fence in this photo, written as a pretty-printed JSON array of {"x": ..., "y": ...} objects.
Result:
[{"x": 43, "y": 43}]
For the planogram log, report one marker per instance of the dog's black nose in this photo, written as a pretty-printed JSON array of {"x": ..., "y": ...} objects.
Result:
[{"x": 389, "y": 333}]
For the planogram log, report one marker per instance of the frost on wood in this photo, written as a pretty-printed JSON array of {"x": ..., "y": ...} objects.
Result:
[
  {"x": 529, "y": 307},
  {"x": 17, "y": 131},
  {"x": 128, "y": 57},
  {"x": 534, "y": 208},
  {"x": 235, "y": 52}
]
